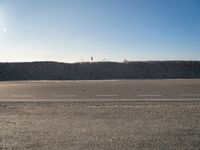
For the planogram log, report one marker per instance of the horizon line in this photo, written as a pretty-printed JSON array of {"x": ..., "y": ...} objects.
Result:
[{"x": 125, "y": 61}]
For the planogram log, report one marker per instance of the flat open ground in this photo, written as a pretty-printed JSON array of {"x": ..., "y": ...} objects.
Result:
[
  {"x": 110, "y": 90},
  {"x": 125, "y": 114}
]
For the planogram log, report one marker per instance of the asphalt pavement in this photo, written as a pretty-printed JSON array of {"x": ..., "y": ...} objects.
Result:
[
  {"x": 100, "y": 115},
  {"x": 110, "y": 90}
]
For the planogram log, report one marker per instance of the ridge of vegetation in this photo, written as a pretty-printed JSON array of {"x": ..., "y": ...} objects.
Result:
[{"x": 48, "y": 70}]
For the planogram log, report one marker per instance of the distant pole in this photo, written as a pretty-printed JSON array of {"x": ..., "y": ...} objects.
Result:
[{"x": 91, "y": 58}]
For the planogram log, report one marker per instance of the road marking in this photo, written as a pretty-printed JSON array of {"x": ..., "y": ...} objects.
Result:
[
  {"x": 21, "y": 95},
  {"x": 122, "y": 106},
  {"x": 85, "y": 100},
  {"x": 150, "y": 95},
  {"x": 66, "y": 95},
  {"x": 190, "y": 95},
  {"x": 106, "y": 95}
]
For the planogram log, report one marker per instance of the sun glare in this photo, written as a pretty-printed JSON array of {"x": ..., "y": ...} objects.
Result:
[{"x": 4, "y": 30}]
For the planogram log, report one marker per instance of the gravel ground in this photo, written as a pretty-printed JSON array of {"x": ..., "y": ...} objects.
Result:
[{"x": 99, "y": 125}]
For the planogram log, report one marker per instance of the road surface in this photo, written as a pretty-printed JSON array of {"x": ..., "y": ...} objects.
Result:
[
  {"x": 100, "y": 115},
  {"x": 111, "y": 90}
]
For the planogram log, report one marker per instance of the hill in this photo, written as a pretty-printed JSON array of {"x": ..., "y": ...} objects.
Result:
[{"x": 99, "y": 70}]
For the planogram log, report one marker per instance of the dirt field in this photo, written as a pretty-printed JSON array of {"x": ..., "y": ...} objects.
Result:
[{"x": 99, "y": 125}]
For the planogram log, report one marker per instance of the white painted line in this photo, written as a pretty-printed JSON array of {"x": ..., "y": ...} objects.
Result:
[
  {"x": 68, "y": 95},
  {"x": 123, "y": 106},
  {"x": 150, "y": 95},
  {"x": 190, "y": 95},
  {"x": 106, "y": 95},
  {"x": 21, "y": 95},
  {"x": 85, "y": 100}
]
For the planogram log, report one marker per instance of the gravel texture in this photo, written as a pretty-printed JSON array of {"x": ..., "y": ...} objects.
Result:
[{"x": 99, "y": 125}]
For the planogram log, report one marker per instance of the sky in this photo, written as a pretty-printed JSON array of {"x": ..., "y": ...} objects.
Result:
[{"x": 107, "y": 30}]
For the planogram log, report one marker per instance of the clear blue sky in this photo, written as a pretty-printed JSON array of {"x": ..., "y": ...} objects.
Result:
[{"x": 74, "y": 30}]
